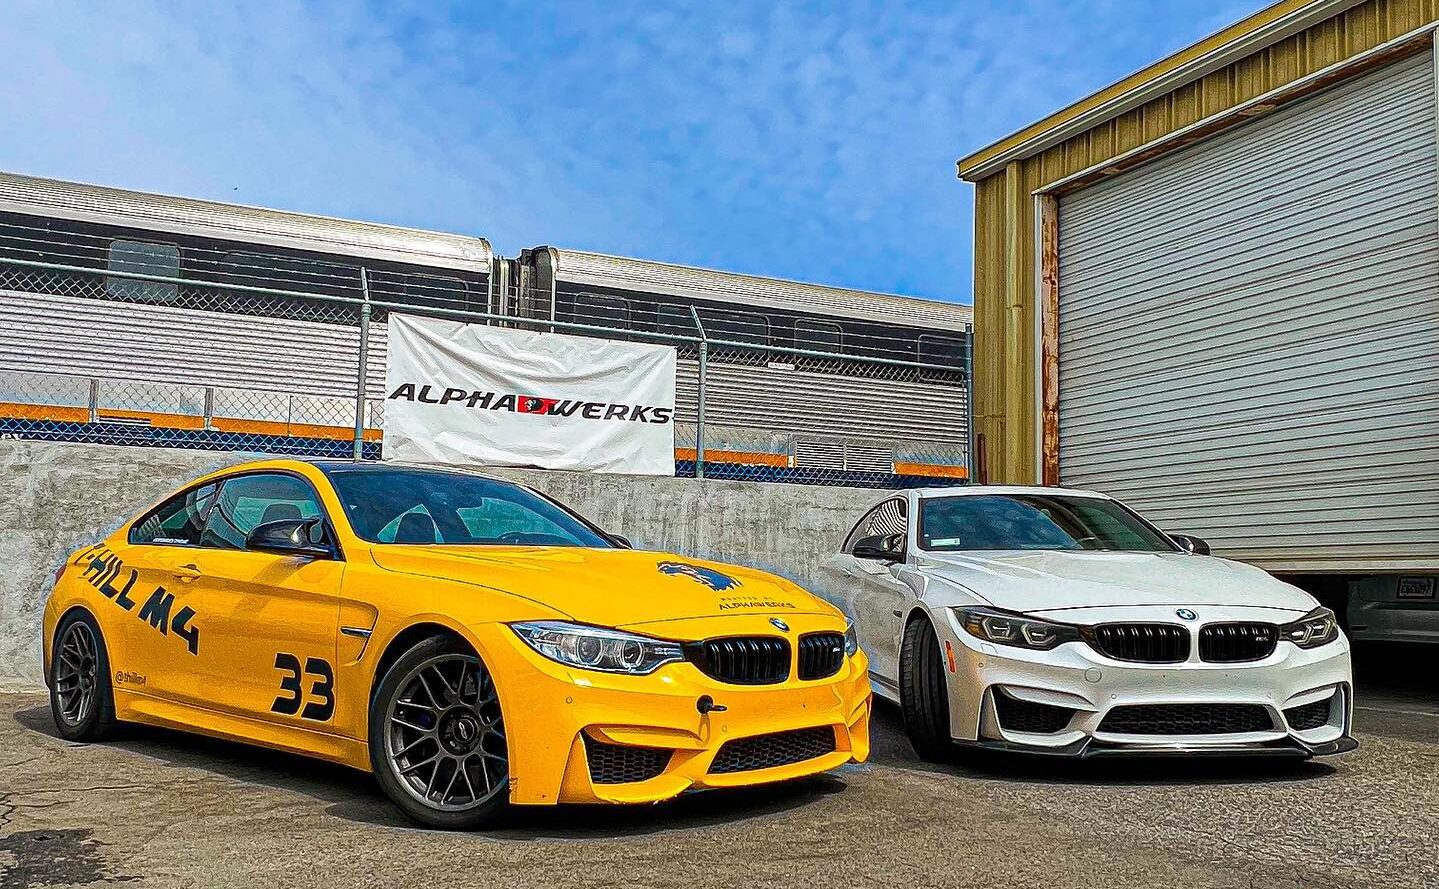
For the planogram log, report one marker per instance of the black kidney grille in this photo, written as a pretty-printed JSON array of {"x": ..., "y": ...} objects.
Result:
[
  {"x": 1187, "y": 719},
  {"x": 1234, "y": 643},
  {"x": 749, "y": 660},
  {"x": 1027, "y": 716},
  {"x": 1141, "y": 643},
  {"x": 820, "y": 655},
  {"x": 623, "y": 764},
  {"x": 777, "y": 749},
  {"x": 1308, "y": 716}
]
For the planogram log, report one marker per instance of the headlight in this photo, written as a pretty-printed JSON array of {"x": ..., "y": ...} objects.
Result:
[
  {"x": 851, "y": 639},
  {"x": 1314, "y": 629},
  {"x": 1006, "y": 628},
  {"x": 597, "y": 648}
]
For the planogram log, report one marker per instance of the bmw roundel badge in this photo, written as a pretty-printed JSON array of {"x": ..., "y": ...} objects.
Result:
[
  {"x": 1186, "y": 614},
  {"x": 779, "y": 624}
]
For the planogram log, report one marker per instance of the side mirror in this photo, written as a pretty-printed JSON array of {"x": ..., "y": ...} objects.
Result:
[
  {"x": 1196, "y": 546},
  {"x": 290, "y": 537},
  {"x": 622, "y": 541},
  {"x": 880, "y": 547}
]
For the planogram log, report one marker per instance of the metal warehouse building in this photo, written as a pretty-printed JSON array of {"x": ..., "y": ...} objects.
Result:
[{"x": 1212, "y": 289}]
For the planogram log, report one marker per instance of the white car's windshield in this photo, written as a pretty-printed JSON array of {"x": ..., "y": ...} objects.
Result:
[{"x": 1034, "y": 522}]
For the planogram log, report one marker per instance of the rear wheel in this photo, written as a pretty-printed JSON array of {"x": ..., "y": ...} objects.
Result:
[
  {"x": 923, "y": 693},
  {"x": 82, "y": 700},
  {"x": 437, "y": 738}
]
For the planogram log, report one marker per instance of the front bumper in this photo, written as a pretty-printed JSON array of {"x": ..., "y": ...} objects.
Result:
[
  {"x": 552, "y": 712},
  {"x": 1079, "y": 680}
]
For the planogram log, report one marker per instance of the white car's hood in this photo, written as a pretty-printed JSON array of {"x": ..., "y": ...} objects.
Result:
[{"x": 1029, "y": 581}]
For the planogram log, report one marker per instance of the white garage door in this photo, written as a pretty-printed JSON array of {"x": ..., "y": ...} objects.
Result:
[{"x": 1249, "y": 333}]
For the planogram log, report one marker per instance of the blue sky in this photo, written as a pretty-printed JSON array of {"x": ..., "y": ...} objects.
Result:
[{"x": 804, "y": 140}]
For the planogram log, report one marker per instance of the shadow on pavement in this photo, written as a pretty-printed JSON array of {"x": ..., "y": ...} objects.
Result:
[{"x": 354, "y": 796}]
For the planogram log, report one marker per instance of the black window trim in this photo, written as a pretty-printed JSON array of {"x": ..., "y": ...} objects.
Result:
[
  {"x": 134, "y": 524},
  {"x": 219, "y": 484},
  {"x": 847, "y": 545},
  {"x": 325, "y": 517}
]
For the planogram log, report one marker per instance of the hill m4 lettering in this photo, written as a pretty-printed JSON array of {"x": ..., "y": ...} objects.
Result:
[{"x": 467, "y": 640}]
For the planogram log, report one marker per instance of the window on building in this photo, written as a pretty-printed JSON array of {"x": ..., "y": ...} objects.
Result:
[{"x": 143, "y": 258}]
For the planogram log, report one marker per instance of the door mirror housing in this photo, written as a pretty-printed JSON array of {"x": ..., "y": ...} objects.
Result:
[
  {"x": 291, "y": 537},
  {"x": 880, "y": 547},
  {"x": 1196, "y": 546}
]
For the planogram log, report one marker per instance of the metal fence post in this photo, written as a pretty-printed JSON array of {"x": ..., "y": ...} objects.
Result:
[
  {"x": 969, "y": 455},
  {"x": 362, "y": 372},
  {"x": 94, "y": 404},
  {"x": 700, "y": 396}
]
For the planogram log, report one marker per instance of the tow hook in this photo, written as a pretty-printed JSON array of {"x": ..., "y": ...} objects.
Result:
[{"x": 706, "y": 704}]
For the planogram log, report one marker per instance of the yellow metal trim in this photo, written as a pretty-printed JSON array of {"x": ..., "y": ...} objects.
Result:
[{"x": 1168, "y": 74}]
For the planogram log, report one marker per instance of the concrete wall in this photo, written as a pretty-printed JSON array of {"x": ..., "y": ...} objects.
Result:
[{"x": 56, "y": 497}]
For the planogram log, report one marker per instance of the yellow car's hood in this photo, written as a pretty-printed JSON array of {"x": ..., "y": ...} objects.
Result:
[{"x": 608, "y": 587}]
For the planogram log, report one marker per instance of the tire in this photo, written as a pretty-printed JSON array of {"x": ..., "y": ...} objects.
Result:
[
  {"x": 82, "y": 699},
  {"x": 437, "y": 743},
  {"x": 924, "y": 693}
]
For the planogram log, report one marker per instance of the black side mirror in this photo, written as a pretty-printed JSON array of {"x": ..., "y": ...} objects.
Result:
[
  {"x": 621, "y": 540},
  {"x": 290, "y": 537},
  {"x": 1196, "y": 546},
  {"x": 880, "y": 547}
]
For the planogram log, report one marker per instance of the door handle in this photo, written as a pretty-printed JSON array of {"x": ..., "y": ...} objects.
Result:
[{"x": 187, "y": 573}]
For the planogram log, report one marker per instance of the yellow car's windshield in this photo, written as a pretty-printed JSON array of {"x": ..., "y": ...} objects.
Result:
[{"x": 428, "y": 506}]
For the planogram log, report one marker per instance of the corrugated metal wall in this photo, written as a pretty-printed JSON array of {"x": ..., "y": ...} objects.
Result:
[
  {"x": 1004, "y": 276},
  {"x": 1249, "y": 332}
]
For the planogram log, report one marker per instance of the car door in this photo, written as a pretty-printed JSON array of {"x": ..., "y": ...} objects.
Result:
[
  {"x": 153, "y": 651},
  {"x": 268, "y": 622},
  {"x": 878, "y": 595}
]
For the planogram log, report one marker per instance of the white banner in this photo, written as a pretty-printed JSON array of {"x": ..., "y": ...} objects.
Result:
[{"x": 473, "y": 394}]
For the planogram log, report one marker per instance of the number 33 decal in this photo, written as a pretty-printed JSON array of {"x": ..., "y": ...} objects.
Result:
[{"x": 322, "y": 691}]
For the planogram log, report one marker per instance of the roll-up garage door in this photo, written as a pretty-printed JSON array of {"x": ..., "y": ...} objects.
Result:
[{"x": 1249, "y": 333}]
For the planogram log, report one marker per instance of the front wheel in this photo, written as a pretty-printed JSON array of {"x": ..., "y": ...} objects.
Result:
[
  {"x": 82, "y": 700},
  {"x": 437, "y": 738},
  {"x": 923, "y": 693}
]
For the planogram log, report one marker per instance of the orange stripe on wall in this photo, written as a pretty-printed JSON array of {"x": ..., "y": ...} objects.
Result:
[
  {"x": 930, "y": 470},
  {"x": 746, "y": 458},
  {"x": 161, "y": 420},
  {"x": 44, "y": 412}
]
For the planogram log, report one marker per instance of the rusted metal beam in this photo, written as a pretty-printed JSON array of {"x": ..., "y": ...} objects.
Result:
[{"x": 1048, "y": 208}]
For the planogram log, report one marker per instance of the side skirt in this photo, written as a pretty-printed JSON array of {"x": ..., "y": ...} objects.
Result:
[{"x": 301, "y": 740}]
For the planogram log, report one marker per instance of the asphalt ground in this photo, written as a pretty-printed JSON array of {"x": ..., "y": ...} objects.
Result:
[{"x": 165, "y": 809}]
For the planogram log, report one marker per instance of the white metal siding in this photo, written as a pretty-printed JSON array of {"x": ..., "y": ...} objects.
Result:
[
  {"x": 838, "y": 407},
  {"x": 41, "y": 333},
  {"x": 234, "y": 222},
  {"x": 1249, "y": 333},
  {"x": 580, "y": 267}
]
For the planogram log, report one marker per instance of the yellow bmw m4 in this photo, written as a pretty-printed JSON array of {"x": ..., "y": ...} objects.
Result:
[{"x": 468, "y": 640}]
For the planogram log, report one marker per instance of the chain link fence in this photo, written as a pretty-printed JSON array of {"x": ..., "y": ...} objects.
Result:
[{"x": 106, "y": 340}]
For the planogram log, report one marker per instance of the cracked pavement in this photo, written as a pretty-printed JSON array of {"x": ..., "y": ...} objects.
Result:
[{"x": 160, "y": 809}]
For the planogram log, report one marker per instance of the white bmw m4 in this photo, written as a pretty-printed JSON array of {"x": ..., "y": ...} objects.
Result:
[{"x": 1061, "y": 622}]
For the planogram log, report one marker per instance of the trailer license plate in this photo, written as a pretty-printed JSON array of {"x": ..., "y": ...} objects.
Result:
[{"x": 1417, "y": 588}]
